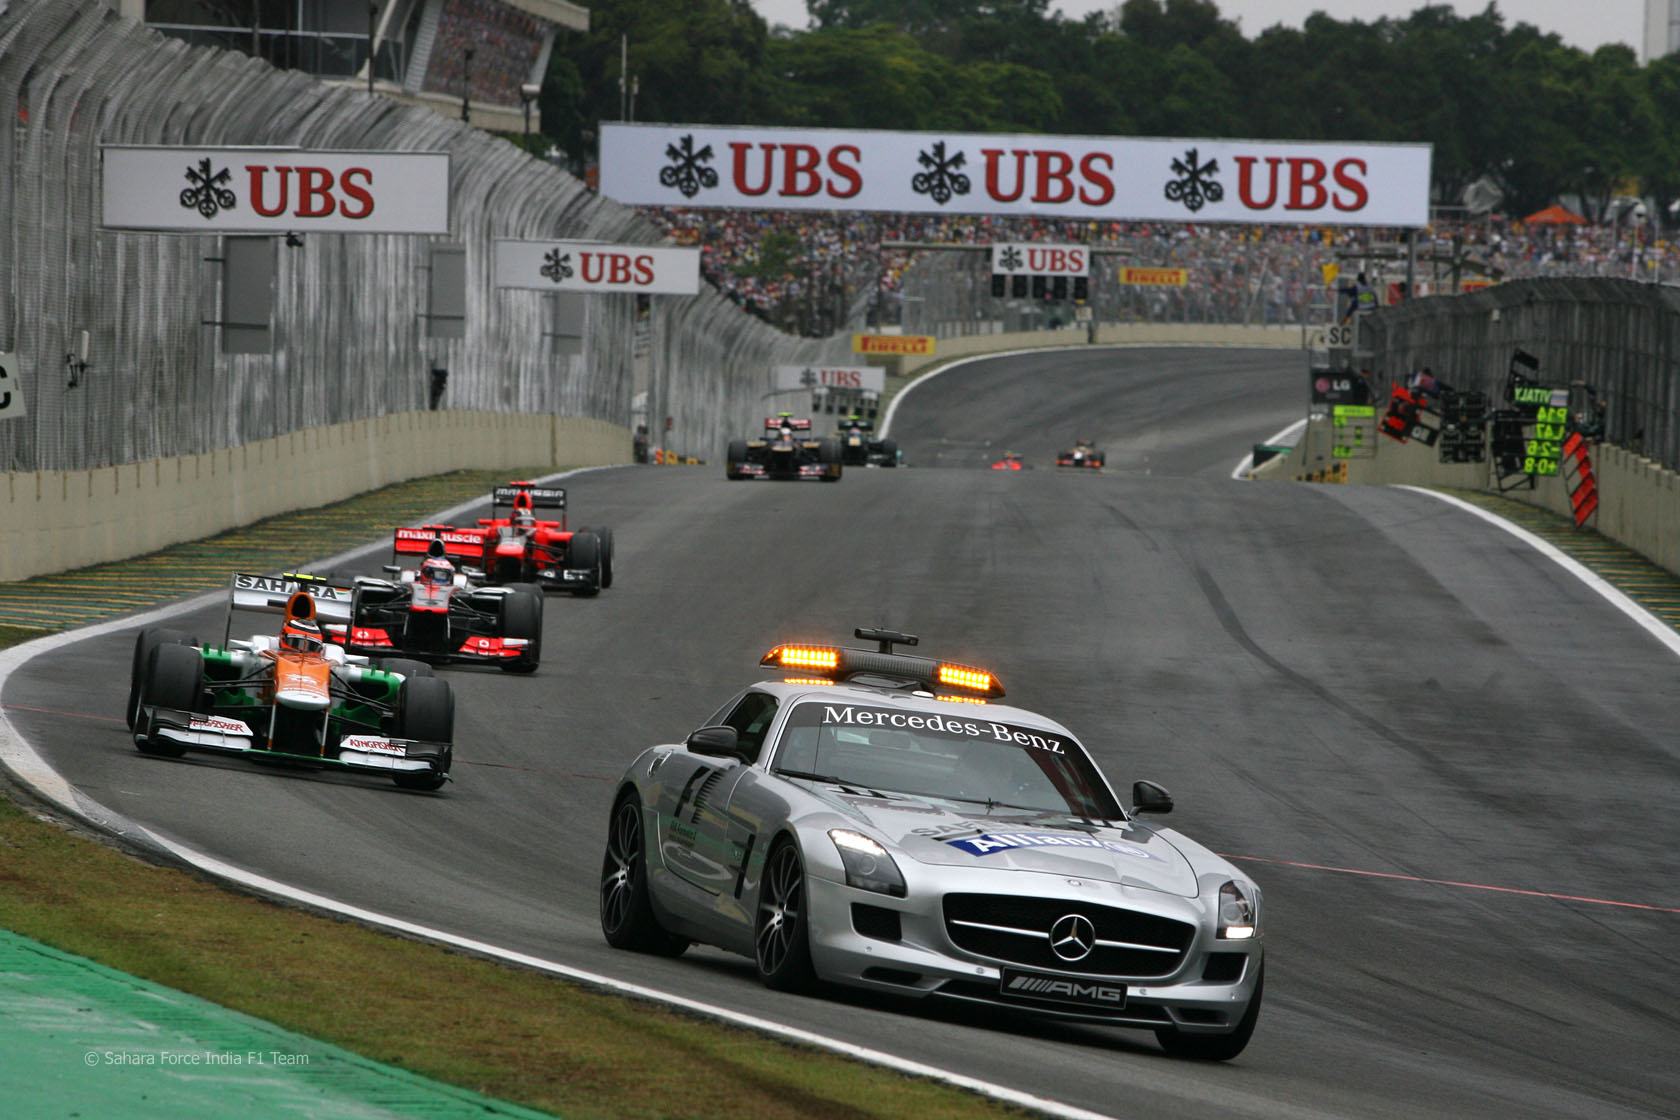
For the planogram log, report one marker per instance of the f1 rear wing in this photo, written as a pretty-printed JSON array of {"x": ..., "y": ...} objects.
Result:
[
  {"x": 542, "y": 497},
  {"x": 797, "y": 423},
  {"x": 465, "y": 544},
  {"x": 270, "y": 594}
]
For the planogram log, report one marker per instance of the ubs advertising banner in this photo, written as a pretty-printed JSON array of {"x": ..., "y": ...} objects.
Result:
[
  {"x": 1116, "y": 178},
  {"x": 596, "y": 266},
  {"x": 865, "y": 379},
  {"x": 274, "y": 190},
  {"x": 1039, "y": 259}
]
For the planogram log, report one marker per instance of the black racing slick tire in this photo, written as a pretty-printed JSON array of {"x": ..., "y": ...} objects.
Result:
[
  {"x": 1216, "y": 1047},
  {"x": 781, "y": 933},
  {"x": 425, "y": 712},
  {"x": 889, "y": 448},
  {"x": 734, "y": 458},
  {"x": 584, "y": 552},
  {"x": 829, "y": 454},
  {"x": 144, "y": 643},
  {"x": 604, "y": 535},
  {"x": 174, "y": 678},
  {"x": 627, "y": 917},
  {"x": 522, "y": 614}
]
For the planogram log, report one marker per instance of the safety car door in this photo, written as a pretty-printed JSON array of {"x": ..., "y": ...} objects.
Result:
[{"x": 698, "y": 844}]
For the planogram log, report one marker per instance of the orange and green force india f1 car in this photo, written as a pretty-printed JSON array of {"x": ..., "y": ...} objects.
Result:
[{"x": 295, "y": 697}]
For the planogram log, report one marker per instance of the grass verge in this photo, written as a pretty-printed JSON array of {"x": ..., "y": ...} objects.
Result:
[{"x": 506, "y": 1032}]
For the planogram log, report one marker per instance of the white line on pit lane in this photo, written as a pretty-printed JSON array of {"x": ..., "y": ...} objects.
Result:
[{"x": 20, "y": 757}]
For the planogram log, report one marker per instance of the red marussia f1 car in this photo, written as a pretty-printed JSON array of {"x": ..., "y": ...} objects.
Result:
[{"x": 513, "y": 546}]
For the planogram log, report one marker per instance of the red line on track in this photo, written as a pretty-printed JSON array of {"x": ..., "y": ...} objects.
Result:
[
  {"x": 1456, "y": 883},
  {"x": 56, "y": 712}
]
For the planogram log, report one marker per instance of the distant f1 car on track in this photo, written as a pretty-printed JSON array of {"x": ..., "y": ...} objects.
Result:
[
  {"x": 1083, "y": 454},
  {"x": 861, "y": 447},
  {"x": 787, "y": 450},
  {"x": 435, "y": 614},
  {"x": 874, "y": 820},
  {"x": 514, "y": 546},
  {"x": 292, "y": 697},
  {"x": 1011, "y": 461}
]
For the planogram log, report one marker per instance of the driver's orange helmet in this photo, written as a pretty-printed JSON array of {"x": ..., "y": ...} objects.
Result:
[{"x": 301, "y": 635}]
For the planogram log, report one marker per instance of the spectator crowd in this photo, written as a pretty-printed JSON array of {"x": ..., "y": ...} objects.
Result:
[{"x": 826, "y": 265}]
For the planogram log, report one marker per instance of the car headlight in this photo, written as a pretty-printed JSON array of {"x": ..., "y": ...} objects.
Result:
[
  {"x": 1237, "y": 915},
  {"x": 868, "y": 866}
]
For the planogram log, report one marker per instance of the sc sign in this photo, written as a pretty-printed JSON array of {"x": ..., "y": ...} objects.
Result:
[{"x": 11, "y": 393}]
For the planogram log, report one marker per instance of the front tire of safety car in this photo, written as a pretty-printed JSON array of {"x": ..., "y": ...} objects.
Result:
[
  {"x": 1216, "y": 1047},
  {"x": 144, "y": 643},
  {"x": 174, "y": 679},
  {"x": 782, "y": 941},
  {"x": 425, "y": 712},
  {"x": 627, "y": 918}
]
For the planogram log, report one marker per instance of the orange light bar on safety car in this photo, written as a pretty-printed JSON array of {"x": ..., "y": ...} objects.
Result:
[
  {"x": 803, "y": 657},
  {"x": 962, "y": 676},
  {"x": 806, "y": 680},
  {"x": 961, "y": 699}
]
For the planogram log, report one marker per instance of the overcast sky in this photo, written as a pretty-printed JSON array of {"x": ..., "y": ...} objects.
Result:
[{"x": 1587, "y": 24}]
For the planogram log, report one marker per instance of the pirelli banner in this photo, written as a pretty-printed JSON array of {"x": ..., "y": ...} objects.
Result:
[
  {"x": 595, "y": 266},
  {"x": 1117, "y": 178},
  {"x": 915, "y": 345},
  {"x": 273, "y": 190},
  {"x": 1156, "y": 277}
]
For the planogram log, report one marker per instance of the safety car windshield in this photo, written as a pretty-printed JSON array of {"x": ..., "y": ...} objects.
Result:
[{"x": 957, "y": 756}]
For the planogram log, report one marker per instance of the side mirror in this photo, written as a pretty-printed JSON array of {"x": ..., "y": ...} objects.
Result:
[
  {"x": 391, "y": 569},
  {"x": 1147, "y": 797},
  {"x": 719, "y": 742}
]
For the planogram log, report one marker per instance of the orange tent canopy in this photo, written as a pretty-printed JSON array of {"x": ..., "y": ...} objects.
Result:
[{"x": 1555, "y": 216}]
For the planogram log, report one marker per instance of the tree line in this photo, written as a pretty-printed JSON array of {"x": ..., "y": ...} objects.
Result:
[{"x": 1510, "y": 103}]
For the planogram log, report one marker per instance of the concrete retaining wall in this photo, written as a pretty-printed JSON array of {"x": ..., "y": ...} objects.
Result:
[
  {"x": 54, "y": 520},
  {"x": 1136, "y": 334}
]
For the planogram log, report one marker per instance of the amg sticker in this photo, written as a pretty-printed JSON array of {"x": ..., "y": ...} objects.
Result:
[
  {"x": 1068, "y": 991},
  {"x": 1002, "y": 841}
]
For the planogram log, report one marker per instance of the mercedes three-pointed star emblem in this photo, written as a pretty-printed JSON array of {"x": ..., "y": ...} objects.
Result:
[{"x": 1072, "y": 937}]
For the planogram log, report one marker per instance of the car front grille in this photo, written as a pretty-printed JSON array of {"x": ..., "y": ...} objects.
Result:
[{"x": 1018, "y": 930}]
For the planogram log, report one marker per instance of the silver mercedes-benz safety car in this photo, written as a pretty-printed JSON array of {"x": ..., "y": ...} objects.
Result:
[{"x": 875, "y": 819}]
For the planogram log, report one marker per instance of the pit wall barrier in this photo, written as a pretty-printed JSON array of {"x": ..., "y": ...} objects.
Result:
[
  {"x": 1638, "y": 505},
  {"x": 51, "y": 521},
  {"x": 1107, "y": 334}
]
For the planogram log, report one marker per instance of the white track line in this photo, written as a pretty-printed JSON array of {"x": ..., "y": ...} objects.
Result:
[
  {"x": 19, "y": 756},
  {"x": 1653, "y": 625}
]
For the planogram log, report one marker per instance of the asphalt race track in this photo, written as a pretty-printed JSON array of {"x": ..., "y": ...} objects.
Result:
[{"x": 1453, "y": 763}]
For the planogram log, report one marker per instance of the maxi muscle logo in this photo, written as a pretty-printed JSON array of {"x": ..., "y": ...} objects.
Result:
[{"x": 987, "y": 843}]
